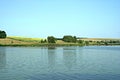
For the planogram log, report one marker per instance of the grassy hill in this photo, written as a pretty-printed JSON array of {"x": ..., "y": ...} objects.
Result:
[
  {"x": 19, "y": 41},
  {"x": 24, "y": 41}
]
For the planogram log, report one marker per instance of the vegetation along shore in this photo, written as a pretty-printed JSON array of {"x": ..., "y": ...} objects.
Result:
[{"x": 67, "y": 40}]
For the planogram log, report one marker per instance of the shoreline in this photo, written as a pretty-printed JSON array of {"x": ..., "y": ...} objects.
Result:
[
  {"x": 52, "y": 45},
  {"x": 36, "y": 42}
]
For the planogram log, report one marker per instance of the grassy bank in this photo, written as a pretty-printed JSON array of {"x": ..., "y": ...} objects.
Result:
[
  {"x": 23, "y": 41},
  {"x": 42, "y": 44}
]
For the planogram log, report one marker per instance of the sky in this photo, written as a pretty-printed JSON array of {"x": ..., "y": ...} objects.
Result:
[{"x": 42, "y": 18}]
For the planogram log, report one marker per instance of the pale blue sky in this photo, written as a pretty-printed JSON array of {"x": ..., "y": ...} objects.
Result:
[{"x": 42, "y": 18}]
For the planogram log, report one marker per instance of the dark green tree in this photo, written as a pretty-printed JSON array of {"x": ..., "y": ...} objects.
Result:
[
  {"x": 3, "y": 34},
  {"x": 80, "y": 41},
  {"x": 106, "y": 43},
  {"x": 69, "y": 38},
  {"x": 51, "y": 39},
  {"x": 74, "y": 39},
  {"x": 98, "y": 42},
  {"x": 42, "y": 41},
  {"x": 45, "y": 41}
]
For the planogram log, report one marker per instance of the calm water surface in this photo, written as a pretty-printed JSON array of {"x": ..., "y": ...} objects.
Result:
[{"x": 60, "y": 63}]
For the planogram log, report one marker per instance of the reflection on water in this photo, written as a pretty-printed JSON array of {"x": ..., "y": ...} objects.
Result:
[
  {"x": 2, "y": 57},
  {"x": 63, "y": 57},
  {"x": 51, "y": 47},
  {"x": 69, "y": 57},
  {"x": 79, "y": 56},
  {"x": 51, "y": 57},
  {"x": 60, "y": 63}
]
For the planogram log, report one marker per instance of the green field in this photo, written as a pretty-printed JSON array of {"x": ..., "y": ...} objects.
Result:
[{"x": 25, "y": 41}]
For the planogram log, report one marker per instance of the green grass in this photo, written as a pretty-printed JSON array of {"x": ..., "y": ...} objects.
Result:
[{"x": 25, "y": 39}]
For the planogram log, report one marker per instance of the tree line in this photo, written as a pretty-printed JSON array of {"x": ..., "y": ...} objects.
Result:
[
  {"x": 74, "y": 39},
  {"x": 68, "y": 38}
]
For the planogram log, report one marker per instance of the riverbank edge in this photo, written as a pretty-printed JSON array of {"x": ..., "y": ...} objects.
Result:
[{"x": 54, "y": 45}]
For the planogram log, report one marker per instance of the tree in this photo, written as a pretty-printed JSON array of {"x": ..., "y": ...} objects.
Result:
[
  {"x": 3, "y": 34},
  {"x": 43, "y": 41},
  {"x": 106, "y": 43},
  {"x": 74, "y": 39},
  {"x": 81, "y": 41},
  {"x": 51, "y": 39},
  {"x": 69, "y": 38}
]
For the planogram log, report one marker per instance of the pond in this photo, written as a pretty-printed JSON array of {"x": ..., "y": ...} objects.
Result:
[{"x": 60, "y": 63}]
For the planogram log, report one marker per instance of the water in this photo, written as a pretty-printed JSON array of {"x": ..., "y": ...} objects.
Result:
[{"x": 60, "y": 63}]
